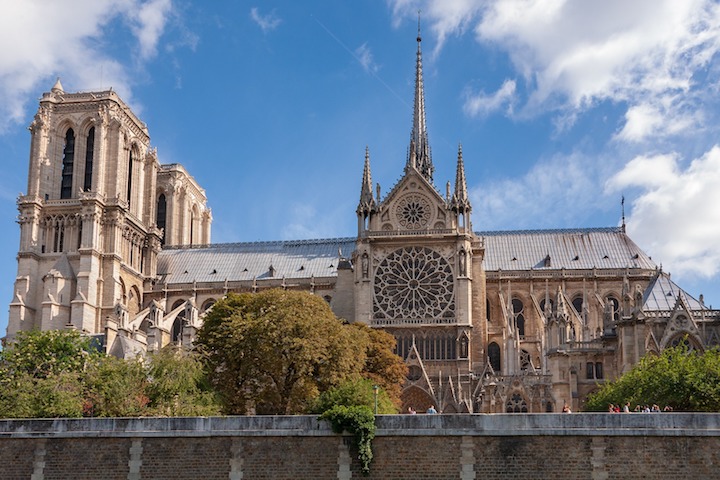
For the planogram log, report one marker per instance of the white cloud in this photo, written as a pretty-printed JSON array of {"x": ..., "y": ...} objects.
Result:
[
  {"x": 65, "y": 39},
  {"x": 365, "y": 57},
  {"x": 150, "y": 21},
  {"x": 267, "y": 22},
  {"x": 574, "y": 54},
  {"x": 676, "y": 215},
  {"x": 482, "y": 104}
]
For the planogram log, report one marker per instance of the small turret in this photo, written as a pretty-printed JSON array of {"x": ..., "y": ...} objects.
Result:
[
  {"x": 367, "y": 204},
  {"x": 460, "y": 202},
  {"x": 57, "y": 88}
]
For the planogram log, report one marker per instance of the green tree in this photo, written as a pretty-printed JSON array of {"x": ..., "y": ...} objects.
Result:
[
  {"x": 382, "y": 366},
  {"x": 178, "y": 386},
  {"x": 116, "y": 388},
  {"x": 42, "y": 353},
  {"x": 685, "y": 380},
  {"x": 276, "y": 350},
  {"x": 354, "y": 393},
  {"x": 41, "y": 374}
]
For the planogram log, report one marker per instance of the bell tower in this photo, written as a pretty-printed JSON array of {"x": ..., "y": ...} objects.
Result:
[{"x": 88, "y": 239}]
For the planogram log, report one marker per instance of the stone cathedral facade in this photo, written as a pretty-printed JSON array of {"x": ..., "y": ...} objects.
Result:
[{"x": 117, "y": 245}]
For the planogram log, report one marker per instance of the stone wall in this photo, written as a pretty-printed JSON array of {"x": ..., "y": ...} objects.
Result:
[{"x": 532, "y": 446}]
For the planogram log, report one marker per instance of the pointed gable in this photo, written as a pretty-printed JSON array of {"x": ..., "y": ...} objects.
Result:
[
  {"x": 413, "y": 204},
  {"x": 62, "y": 268}
]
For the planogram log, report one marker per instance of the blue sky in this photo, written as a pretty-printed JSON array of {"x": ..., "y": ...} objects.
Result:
[{"x": 562, "y": 107}]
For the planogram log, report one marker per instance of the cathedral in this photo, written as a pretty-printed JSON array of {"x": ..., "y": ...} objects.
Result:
[{"x": 116, "y": 245}]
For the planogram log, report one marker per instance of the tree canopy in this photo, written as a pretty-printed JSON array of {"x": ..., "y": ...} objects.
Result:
[
  {"x": 275, "y": 351},
  {"x": 684, "y": 379},
  {"x": 57, "y": 373}
]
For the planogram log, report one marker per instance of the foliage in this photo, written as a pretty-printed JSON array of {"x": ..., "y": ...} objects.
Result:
[
  {"x": 685, "y": 380},
  {"x": 276, "y": 351},
  {"x": 116, "y": 388},
  {"x": 40, "y": 354},
  {"x": 177, "y": 385},
  {"x": 353, "y": 393},
  {"x": 52, "y": 374},
  {"x": 359, "y": 421},
  {"x": 382, "y": 366},
  {"x": 55, "y": 395},
  {"x": 41, "y": 374}
]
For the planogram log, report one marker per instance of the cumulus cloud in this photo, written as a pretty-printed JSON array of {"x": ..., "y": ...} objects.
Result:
[
  {"x": 482, "y": 104},
  {"x": 65, "y": 38},
  {"x": 675, "y": 214},
  {"x": 574, "y": 54},
  {"x": 267, "y": 22},
  {"x": 365, "y": 57}
]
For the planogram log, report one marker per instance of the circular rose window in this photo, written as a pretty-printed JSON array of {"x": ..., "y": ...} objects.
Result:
[
  {"x": 413, "y": 212},
  {"x": 414, "y": 283}
]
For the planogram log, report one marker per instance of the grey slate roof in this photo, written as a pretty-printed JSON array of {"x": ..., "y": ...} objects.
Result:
[
  {"x": 575, "y": 249},
  {"x": 246, "y": 261},
  {"x": 506, "y": 250},
  {"x": 662, "y": 294}
]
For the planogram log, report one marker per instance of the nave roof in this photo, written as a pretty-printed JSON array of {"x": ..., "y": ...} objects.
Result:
[{"x": 571, "y": 249}]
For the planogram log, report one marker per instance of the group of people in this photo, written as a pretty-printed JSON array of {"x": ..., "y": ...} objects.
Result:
[
  {"x": 655, "y": 408},
  {"x": 430, "y": 411}
]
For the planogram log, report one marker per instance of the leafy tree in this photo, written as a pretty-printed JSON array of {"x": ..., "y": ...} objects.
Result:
[
  {"x": 42, "y": 353},
  {"x": 355, "y": 392},
  {"x": 116, "y": 388},
  {"x": 685, "y": 380},
  {"x": 382, "y": 366},
  {"x": 178, "y": 386},
  {"x": 276, "y": 350},
  {"x": 57, "y": 374},
  {"x": 41, "y": 374}
]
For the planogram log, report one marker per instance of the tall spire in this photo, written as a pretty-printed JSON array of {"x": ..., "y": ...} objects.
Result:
[
  {"x": 367, "y": 201},
  {"x": 460, "y": 201},
  {"x": 419, "y": 156}
]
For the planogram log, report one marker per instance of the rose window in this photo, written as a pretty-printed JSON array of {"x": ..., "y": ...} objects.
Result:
[
  {"x": 414, "y": 283},
  {"x": 413, "y": 212}
]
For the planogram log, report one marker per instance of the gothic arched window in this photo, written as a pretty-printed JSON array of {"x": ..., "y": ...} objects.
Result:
[
  {"x": 516, "y": 404},
  {"x": 494, "y": 356},
  {"x": 615, "y": 305},
  {"x": 518, "y": 308},
  {"x": 67, "y": 164},
  {"x": 129, "y": 176},
  {"x": 577, "y": 304},
  {"x": 542, "y": 305},
  {"x": 161, "y": 215},
  {"x": 178, "y": 324},
  {"x": 89, "y": 153}
]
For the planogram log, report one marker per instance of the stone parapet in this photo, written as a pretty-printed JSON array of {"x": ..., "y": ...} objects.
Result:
[{"x": 484, "y": 425}]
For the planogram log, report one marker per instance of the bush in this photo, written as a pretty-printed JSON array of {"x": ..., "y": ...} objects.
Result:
[
  {"x": 354, "y": 393},
  {"x": 359, "y": 421}
]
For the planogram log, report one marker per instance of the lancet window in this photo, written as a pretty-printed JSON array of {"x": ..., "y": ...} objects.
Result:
[
  {"x": 519, "y": 316},
  {"x": 61, "y": 233},
  {"x": 67, "y": 164},
  {"x": 494, "y": 356},
  {"x": 89, "y": 153},
  {"x": 161, "y": 215}
]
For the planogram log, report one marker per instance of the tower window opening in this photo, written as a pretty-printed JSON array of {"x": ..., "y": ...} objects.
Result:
[
  {"x": 161, "y": 216},
  {"x": 67, "y": 164},
  {"x": 89, "y": 153},
  {"x": 129, "y": 176}
]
